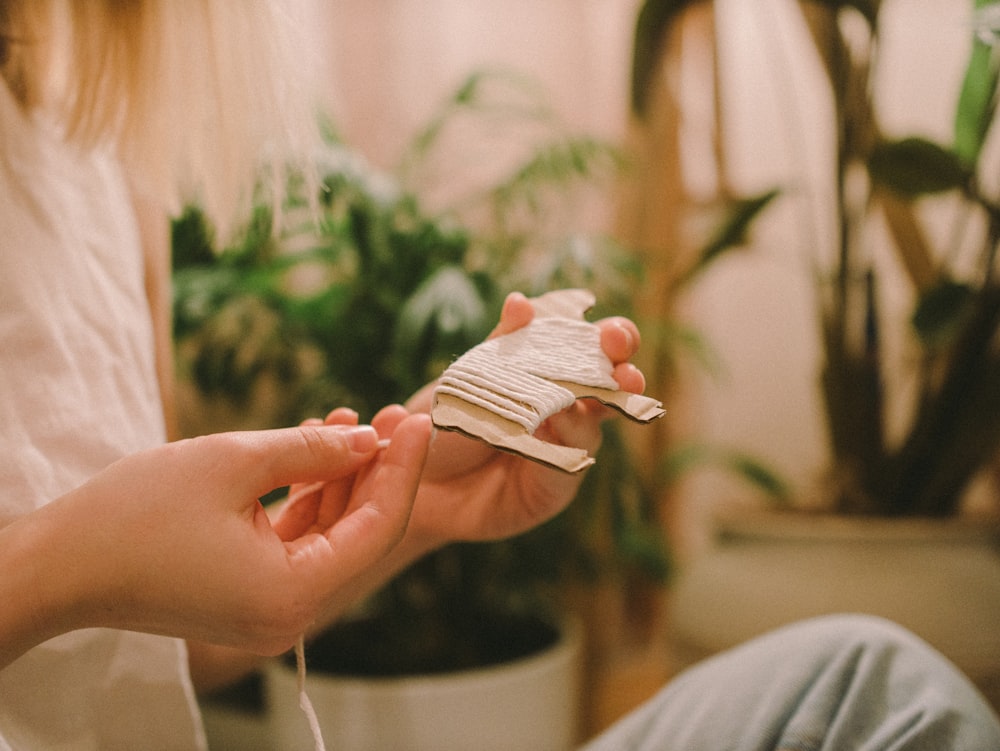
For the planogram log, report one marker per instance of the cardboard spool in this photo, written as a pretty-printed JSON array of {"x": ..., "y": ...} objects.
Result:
[{"x": 452, "y": 412}]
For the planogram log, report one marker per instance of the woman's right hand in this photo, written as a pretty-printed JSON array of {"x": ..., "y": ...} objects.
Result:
[{"x": 174, "y": 540}]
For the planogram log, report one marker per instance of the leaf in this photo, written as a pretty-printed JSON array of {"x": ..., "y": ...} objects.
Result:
[
  {"x": 676, "y": 338},
  {"x": 731, "y": 233},
  {"x": 941, "y": 311},
  {"x": 759, "y": 475},
  {"x": 319, "y": 315},
  {"x": 915, "y": 166},
  {"x": 555, "y": 164},
  {"x": 495, "y": 93},
  {"x": 644, "y": 547},
  {"x": 200, "y": 293},
  {"x": 976, "y": 104},
  {"x": 446, "y": 315},
  {"x": 191, "y": 240},
  {"x": 693, "y": 455}
]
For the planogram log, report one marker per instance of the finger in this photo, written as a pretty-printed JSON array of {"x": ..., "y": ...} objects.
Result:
[
  {"x": 455, "y": 454},
  {"x": 629, "y": 378},
  {"x": 579, "y": 425},
  {"x": 372, "y": 529},
  {"x": 298, "y": 513},
  {"x": 517, "y": 312},
  {"x": 334, "y": 502},
  {"x": 619, "y": 338},
  {"x": 305, "y": 454},
  {"x": 312, "y": 507},
  {"x": 391, "y": 455},
  {"x": 341, "y": 416},
  {"x": 387, "y": 419}
]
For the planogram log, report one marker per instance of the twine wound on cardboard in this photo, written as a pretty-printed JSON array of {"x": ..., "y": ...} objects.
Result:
[{"x": 502, "y": 390}]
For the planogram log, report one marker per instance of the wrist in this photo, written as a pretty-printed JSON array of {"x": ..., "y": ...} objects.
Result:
[
  {"x": 43, "y": 589},
  {"x": 30, "y": 613}
]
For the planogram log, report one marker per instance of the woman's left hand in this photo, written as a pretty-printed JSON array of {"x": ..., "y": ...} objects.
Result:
[{"x": 470, "y": 491}]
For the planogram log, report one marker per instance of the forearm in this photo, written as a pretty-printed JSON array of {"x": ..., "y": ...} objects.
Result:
[
  {"x": 21, "y": 615},
  {"x": 36, "y": 587},
  {"x": 35, "y": 592}
]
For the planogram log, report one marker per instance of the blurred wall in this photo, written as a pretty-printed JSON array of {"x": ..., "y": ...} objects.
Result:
[{"x": 392, "y": 61}]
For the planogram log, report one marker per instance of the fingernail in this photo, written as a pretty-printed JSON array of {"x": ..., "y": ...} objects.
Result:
[
  {"x": 362, "y": 438},
  {"x": 627, "y": 336}
]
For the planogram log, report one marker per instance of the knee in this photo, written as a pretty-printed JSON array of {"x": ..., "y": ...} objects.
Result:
[
  {"x": 862, "y": 662},
  {"x": 879, "y": 656},
  {"x": 861, "y": 647},
  {"x": 850, "y": 629}
]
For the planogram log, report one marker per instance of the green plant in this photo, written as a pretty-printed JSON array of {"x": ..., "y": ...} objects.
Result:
[
  {"x": 951, "y": 358},
  {"x": 955, "y": 426}
]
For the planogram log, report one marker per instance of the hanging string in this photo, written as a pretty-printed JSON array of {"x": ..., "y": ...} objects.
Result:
[{"x": 304, "y": 703}]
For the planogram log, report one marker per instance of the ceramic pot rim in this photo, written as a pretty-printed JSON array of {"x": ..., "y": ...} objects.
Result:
[{"x": 803, "y": 526}]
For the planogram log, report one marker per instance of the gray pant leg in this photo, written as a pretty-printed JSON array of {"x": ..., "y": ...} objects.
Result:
[{"x": 836, "y": 683}]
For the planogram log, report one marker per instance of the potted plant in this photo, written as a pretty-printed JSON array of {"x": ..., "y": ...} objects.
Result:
[{"x": 907, "y": 482}]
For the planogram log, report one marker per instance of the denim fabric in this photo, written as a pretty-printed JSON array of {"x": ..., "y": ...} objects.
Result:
[{"x": 836, "y": 683}]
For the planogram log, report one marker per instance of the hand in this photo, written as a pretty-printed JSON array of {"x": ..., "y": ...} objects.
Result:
[
  {"x": 174, "y": 541},
  {"x": 472, "y": 492}
]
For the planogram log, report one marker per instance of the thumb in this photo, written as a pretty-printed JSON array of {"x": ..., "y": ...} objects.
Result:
[
  {"x": 308, "y": 453},
  {"x": 517, "y": 312},
  {"x": 379, "y": 518}
]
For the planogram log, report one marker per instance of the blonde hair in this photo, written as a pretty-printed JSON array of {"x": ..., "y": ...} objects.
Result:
[{"x": 196, "y": 95}]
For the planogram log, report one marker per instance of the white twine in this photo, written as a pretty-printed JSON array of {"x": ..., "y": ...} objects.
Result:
[
  {"x": 304, "y": 703},
  {"x": 512, "y": 376}
]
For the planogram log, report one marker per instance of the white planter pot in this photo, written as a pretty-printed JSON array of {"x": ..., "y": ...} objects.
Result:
[
  {"x": 940, "y": 579},
  {"x": 527, "y": 704}
]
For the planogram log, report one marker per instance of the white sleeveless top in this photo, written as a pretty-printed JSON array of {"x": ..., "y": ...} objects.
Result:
[{"x": 78, "y": 390}]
